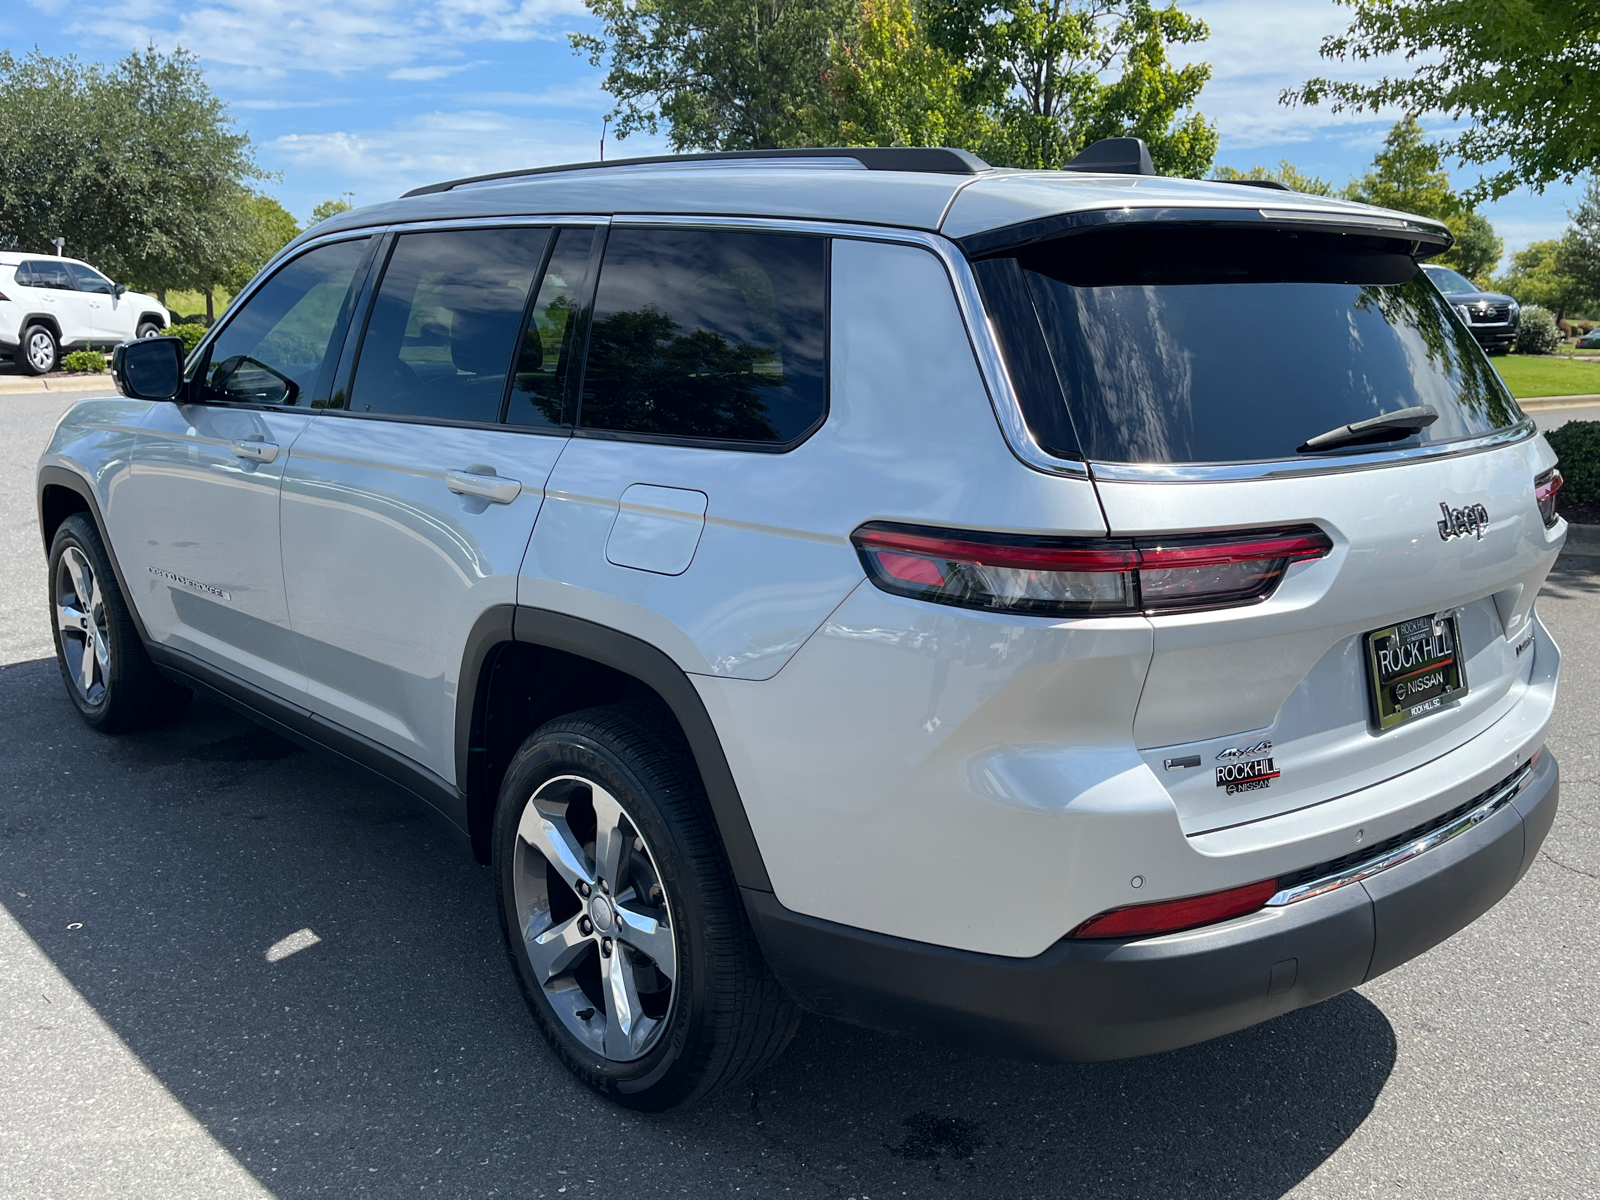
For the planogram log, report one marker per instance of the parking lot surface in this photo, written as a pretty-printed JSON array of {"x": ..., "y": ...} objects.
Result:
[{"x": 168, "y": 1029}]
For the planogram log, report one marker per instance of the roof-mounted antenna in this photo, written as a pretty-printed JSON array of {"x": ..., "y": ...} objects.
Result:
[{"x": 1114, "y": 156}]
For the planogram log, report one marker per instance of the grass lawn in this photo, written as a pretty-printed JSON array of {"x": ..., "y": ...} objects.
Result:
[{"x": 1532, "y": 375}]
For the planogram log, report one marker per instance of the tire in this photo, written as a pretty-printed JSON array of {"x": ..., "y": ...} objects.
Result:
[
  {"x": 707, "y": 1011},
  {"x": 40, "y": 352},
  {"x": 148, "y": 329},
  {"x": 109, "y": 675}
]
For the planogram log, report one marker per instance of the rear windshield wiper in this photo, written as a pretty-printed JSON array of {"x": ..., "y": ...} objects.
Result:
[{"x": 1390, "y": 427}]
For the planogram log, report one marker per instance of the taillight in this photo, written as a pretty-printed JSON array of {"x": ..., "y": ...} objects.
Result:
[
  {"x": 1172, "y": 916},
  {"x": 1545, "y": 488},
  {"x": 4, "y": 298},
  {"x": 1061, "y": 576}
]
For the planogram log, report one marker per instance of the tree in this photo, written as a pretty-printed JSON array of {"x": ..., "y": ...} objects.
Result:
[
  {"x": 137, "y": 167},
  {"x": 1477, "y": 249},
  {"x": 1057, "y": 75},
  {"x": 1523, "y": 72},
  {"x": 270, "y": 228},
  {"x": 1578, "y": 255},
  {"x": 329, "y": 208},
  {"x": 1537, "y": 277},
  {"x": 723, "y": 74},
  {"x": 1406, "y": 175},
  {"x": 1286, "y": 173}
]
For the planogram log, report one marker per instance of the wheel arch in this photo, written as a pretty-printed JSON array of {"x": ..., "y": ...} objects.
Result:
[
  {"x": 525, "y": 666},
  {"x": 63, "y": 493},
  {"x": 157, "y": 318},
  {"x": 48, "y": 320}
]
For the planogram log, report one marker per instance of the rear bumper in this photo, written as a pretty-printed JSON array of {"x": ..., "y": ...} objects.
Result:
[{"x": 1092, "y": 1000}]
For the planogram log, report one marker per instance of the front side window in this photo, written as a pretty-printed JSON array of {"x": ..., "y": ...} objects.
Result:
[
  {"x": 273, "y": 349},
  {"x": 708, "y": 334},
  {"x": 1185, "y": 345},
  {"x": 445, "y": 323},
  {"x": 87, "y": 279},
  {"x": 44, "y": 273}
]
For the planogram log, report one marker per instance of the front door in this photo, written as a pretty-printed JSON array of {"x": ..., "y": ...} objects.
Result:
[
  {"x": 407, "y": 510},
  {"x": 94, "y": 295},
  {"x": 198, "y": 527}
]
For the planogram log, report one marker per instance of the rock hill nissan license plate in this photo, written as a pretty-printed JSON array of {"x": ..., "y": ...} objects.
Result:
[{"x": 1415, "y": 668}]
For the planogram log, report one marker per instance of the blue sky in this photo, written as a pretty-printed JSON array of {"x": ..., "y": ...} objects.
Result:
[{"x": 373, "y": 97}]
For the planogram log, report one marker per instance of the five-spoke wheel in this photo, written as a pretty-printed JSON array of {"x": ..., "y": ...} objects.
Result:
[{"x": 81, "y": 625}]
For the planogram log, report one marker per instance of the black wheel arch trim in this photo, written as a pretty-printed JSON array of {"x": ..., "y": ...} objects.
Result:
[{"x": 61, "y": 477}]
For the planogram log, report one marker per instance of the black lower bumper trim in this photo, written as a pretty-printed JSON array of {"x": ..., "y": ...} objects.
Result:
[{"x": 1092, "y": 1000}]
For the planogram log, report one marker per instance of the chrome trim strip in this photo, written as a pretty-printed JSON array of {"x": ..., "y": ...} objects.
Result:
[
  {"x": 1317, "y": 887},
  {"x": 1295, "y": 469}
]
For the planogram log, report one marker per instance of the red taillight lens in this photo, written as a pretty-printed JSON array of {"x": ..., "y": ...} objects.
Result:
[
  {"x": 1544, "y": 491},
  {"x": 4, "y": 297},
  {"x": 1059, "y": 576},
  {"x": 1171, "y": 916}
]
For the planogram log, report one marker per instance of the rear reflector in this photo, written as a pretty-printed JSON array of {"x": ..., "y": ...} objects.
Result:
[
  {"x": 1544, "y": 491},
  {"x": 1061, "y": 576},
  {"x": 1172, "y": 916}
]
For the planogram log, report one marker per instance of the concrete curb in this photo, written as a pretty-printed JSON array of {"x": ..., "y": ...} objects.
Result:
[
  {"x": 36, "y": 385},
  {"x": 1537, "y": 402},
  {"x": 1583, "y": 541}
]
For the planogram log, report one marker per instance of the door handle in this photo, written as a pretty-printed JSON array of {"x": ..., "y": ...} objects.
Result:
[
  {"x": 486, "y": 485},
  {"x": 255, "y": 451}
]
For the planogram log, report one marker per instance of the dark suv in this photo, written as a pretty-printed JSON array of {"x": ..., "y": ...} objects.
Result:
[{"x": 1493, "y": 317}]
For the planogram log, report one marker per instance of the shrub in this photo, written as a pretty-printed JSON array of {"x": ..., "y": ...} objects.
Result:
[
  {"x": 1577, "y": 443},
  {"x": 84, "y": 360},
  {"x": 1538, "y": 333},
  {"x": 190, "y": 332}
]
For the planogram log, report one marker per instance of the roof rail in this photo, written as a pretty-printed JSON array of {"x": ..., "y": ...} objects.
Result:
[
  {"x": 1273, "y": 184},
  {"x": 929, "y": 160},
  {"x": 1114, "y": 156}
]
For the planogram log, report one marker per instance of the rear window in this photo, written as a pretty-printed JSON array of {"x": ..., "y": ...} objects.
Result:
[{"x": 1186, "y": 345}]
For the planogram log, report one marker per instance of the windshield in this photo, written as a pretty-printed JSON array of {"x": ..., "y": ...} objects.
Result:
[
  {"x": 1195, "y": 345},
  {"x": 1451, "y": 283}
]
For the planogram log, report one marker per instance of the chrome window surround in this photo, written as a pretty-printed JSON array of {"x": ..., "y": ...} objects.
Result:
[
  {"x": 1497, "y": 800},
  {"x": 980, "y": 334}
]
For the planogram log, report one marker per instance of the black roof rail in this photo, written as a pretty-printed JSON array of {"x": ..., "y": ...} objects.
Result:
[
  {"x": 935, "y": 160},
  {"x": 1114, "y": 156},
  {"x": 1261, "y": 183}
]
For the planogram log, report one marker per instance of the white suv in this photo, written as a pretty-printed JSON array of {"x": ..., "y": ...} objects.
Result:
[
  {"x": 52, "y": 305},
  {"x": 1074, "y": 613}
]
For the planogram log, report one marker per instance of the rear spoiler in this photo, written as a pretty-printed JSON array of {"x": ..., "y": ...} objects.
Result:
[{"x": 1418, "y": 237}]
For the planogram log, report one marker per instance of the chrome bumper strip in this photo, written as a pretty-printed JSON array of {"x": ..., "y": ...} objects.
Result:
[{"x": 1492, "y": 804}]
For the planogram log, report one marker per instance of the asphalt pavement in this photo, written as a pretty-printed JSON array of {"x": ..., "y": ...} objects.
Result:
[{"x": 230, "y": 967}]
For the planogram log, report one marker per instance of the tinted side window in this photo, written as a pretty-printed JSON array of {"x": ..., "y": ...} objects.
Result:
[
  {"x": 86, "y": 279},
  {"x": 272, "y": 349},
  {"x": 708, "y": 334},
  {"x": 445, "y": 322},
  {"x": 45, "y": 274},
  {"x": 540, "y": 393}
]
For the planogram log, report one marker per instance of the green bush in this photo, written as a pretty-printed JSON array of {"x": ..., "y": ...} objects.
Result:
[
  {"x": 1538, "y": 333},
  {"x": 84, "y": 360},
  {"x": 1577, "y": 443},
  {"x": 190, "y": 333}
]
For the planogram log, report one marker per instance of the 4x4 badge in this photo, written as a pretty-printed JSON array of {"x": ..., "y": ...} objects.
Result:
[
  {"x": 1244, "y": 751},
  {"x": 1458, "y": 522}
]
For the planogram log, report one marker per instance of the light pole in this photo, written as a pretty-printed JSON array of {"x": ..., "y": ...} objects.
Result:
[
  {"x": 61, "y": 246},
  {"x": 606, "y": 121}
]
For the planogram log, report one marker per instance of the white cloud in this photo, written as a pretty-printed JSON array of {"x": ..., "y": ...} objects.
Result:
[{"x": 428, "y": 74}]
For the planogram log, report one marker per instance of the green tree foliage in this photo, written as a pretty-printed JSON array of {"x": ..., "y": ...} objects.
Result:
[
  {"x": 1577, "y": 444},
  {"x": 723, "y": 74},
  {"x": 269, "y": 227},
  {"x": 1478, "y": 248},
  {"x": 1285, "y": 173},
  {"x": 138, "y": 167},
  {"x": 1056, "y": 75},
  {"x": 329, "y": 208},
  {"x": 1537, "y": 276},
  {"x": 1578, "y": 255},
  {"x": 1524, "y": 72},
  {"x": 1407, "y": 175}
]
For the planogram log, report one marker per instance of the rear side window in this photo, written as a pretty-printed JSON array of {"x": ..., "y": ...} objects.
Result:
[
  {"x": 708, "y": 334},
  {"x": 42, "y": 273},
  {"x": 273, "y": 348},
  {"x": 1186, "y": 345},
  {"x": 445, "y": 323},
  {"x": 550, "y": 345}
]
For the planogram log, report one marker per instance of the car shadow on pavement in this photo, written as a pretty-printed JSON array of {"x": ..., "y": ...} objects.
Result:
[{"x": 166, "y": 873}]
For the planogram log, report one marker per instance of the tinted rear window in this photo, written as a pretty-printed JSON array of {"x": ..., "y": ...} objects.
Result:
[{"x": 1186, "y": 345}]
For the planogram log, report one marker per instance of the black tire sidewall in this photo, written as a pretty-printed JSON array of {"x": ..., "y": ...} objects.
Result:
[
  {"x": 26, "y": 363},
  {"x": 667, "y": 1074},
  {"x": 78, "y": 531},
  {"x": 144, "y": 325}
]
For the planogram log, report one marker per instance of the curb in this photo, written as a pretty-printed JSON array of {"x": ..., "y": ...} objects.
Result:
[
  {"x": 35, "y": 385},
  {"x": 1583, "y": 541},
  {"x": 1537, "y": 402}
]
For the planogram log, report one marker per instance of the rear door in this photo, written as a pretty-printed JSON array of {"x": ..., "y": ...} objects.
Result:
[
  {"x": 1195, "y": 366},
  {"x": 52, "y": 292},
  {"x": 407, "y": 507}
]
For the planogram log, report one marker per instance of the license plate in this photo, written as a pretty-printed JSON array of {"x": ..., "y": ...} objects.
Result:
[{"x": 1415, "y": 668}]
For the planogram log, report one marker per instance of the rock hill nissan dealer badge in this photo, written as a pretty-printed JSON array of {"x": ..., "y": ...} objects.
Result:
[{"x": 1242, "y": 774}]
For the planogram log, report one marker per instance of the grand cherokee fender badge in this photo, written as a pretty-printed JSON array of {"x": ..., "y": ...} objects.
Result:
[
  {"x": 1459, "y": 522},
  {"x": 181, "y": 581}
]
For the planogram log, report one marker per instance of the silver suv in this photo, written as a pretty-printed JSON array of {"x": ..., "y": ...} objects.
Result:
[{"x": 1075, "y": 613}]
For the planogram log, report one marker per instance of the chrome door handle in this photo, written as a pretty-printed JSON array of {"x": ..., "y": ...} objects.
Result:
[
  {"x": 255, "y": 451},
  {"x": 494, "y": 488}
]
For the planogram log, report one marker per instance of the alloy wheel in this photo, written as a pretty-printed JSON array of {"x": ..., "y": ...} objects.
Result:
[
  {"x": 41, "y": 350},
  {"x": 81, "y": 625},
  {"x": 595, "y": 921}
]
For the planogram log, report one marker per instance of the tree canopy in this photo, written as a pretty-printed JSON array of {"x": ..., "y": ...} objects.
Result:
[
  {"x": 1285, "y": 173},
  {"x": 1524, "y": 73},
  {"x": 137, "y": 166}
]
